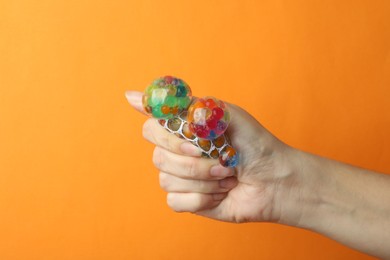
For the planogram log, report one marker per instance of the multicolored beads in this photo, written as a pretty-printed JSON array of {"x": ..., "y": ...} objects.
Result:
[
  {"x": 228, "y": 157},
  {"x": 166, "y": 97},
  {"x": 202, "y": 122},
  {"x": 208, "y": 118},
  {"x": 219, "y": 148}
]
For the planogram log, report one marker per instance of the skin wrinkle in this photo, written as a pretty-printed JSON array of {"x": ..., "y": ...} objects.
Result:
[
  {"x": 192, "y": 169},
  {"x": 156, "y": 158},
  {"x": 285, "y": 177},
  {"x": 164, "y": 184}
]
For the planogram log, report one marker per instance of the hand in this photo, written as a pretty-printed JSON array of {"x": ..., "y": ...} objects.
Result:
[
  {"x": 258, "y": 189},
  {"x": 273, "y": 182}
]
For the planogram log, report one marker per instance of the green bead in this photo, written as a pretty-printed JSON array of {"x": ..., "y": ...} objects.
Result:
[
  {"x": 149, "y": 90},
  {"x": 170, "y": 101},
  {"x": 184, "y": 102},
  {"x": 158, "y": 96},
  {"x": 150, "y": 102}
]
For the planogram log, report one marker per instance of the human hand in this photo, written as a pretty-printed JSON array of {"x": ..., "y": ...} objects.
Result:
[
  {"x": 258, "y": 189},
  {"x": 273, "y": 182}
]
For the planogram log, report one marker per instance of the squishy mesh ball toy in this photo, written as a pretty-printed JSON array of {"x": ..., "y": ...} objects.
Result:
[
  {"x": 208, "y": 118},
  {"x": 201, "y": 121},
  {"x": 166, "y": 97}
]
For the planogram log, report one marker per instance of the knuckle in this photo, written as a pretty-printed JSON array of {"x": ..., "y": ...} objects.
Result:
[
  {"x": 192, "y": 168},
  {"x": 198, "y": 202},
  {"x": 195, "y": 169},
  {"x": 146, "y": 130},
  {"x": 171, "y": 142},
  {"x": 164, "y": 140},
  {"x": 202, "y": 186},
  {"x": 157, "y": 157},
  {"x": 171, "y": 202},
  {"x": 164, "y": 181}
]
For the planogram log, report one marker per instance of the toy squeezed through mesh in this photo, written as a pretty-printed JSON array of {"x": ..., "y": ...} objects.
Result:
[{"x": 202, "y": 121}]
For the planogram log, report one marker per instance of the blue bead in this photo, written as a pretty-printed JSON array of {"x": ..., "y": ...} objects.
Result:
[
  {"x": 232, "y": 162},
  {"x": 212, "y": 135},
  {"x": 181, "y": 91}
]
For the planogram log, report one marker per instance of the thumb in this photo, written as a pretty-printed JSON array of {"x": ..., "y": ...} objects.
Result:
[
  {"x": 135, "y": 100},
  {"x": 239, "y": 117},
  {"x": 242, "y": 123}
]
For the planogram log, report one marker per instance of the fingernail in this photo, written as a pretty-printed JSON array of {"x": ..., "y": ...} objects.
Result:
[
  {"x": 220, "y": 171},
  {"x": 131, "y": 95},
  {"x": 134, "y": 97},
  {"x": 190, "y": 149},
  {"x": 228, "y": 183},
  {"x": 135, "y": 100}
]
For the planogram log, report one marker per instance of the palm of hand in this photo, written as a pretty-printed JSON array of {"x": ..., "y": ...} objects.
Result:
[{"x": 260, "y": 170}]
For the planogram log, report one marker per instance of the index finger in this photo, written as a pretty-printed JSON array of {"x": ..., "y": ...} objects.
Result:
[{"x": 156, "y": 134}]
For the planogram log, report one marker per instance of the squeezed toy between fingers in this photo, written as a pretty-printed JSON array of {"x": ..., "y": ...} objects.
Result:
[{"x": 201, "y": 121}]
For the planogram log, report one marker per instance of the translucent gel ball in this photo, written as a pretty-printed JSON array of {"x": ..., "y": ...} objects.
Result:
[
  {"x": 208, "y": 118},
  {"x": 166, "y": 97}
]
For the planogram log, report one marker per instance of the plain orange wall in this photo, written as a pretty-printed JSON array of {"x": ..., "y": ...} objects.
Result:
[{"x": 76, "y": 178}]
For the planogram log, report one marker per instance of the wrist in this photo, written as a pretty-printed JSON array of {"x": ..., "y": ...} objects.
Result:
[
  {"x": 304, "y": 194},
  {"x": 343, "y": 202}
]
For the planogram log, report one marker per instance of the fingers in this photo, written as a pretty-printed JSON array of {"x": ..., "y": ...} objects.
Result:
[
  {"x": 154, "y": 133},
  {"x": 171, "y": 183},
  {"x": 193, "y": 184},
  {"x": 187, "y": 167},
  {"x": 135, "y": 100},
  {"x": 194, "y": 202}
]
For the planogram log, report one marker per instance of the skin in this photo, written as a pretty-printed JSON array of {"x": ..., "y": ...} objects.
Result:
[{"x": 273, "y": 183}]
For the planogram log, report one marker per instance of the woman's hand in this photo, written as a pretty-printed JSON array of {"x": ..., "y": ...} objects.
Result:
[
  {"x": 256, "y": 190},
  {"x": 273, "y": 182}
]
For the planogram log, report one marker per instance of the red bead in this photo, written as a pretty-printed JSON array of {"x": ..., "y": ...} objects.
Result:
[
  {"x": 202, "y": 133},
  {"x": 168, "y": 79},
  {"x": 217, "y": 113},
  {"x": 212, "y": 124},
  {"x": 210, "y": 103}
]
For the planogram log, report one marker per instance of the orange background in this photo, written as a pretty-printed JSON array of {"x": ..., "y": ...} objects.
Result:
[{"x": 76, "y": 178}]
